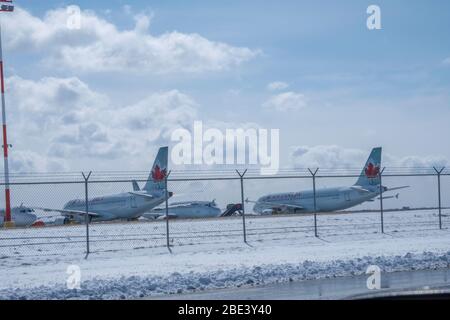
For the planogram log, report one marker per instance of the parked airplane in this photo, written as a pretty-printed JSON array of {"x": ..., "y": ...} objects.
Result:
[
  {"x": 126, "y": 205},
  {"x": 366, "y": 188},
  {"x": 186, "y": 210},
  {"x": 21, "y": 216}
]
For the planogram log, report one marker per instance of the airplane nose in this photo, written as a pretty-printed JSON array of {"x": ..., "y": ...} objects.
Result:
[{"x": 29, "y": 219}]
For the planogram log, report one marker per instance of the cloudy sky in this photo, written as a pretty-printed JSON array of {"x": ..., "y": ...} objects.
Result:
[{"x": 107, "y": 95}]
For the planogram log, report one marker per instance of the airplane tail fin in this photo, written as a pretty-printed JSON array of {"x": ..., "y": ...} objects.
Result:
[
  {"x": 135, "y": 185},
  {"x": 370, "y": 173},
  {"x": 155, "y": 181}
]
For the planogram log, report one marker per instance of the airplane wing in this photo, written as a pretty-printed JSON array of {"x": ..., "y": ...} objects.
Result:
[
  {"x": 163, "y": 216},
  {"x": 390, "y": 189},
  {"x": 153, "y": 215},
  {"x": 397, "y": 188},
  {"x": 171, "y": 216},
  {"x": 276, "y": 205},
  {"x": 358, "y": 188},
  {"x": 140, "y": 194},
  {"x": 385, "y": 197},
  {"x": 150, "y": 215},
  {"x": 390, "y": 197},
  {"x": 66, "y": 212},
  {"x": 150, "y": 196}
]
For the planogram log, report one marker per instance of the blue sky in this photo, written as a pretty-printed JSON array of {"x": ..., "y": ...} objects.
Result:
[{"x": 349, "y": 87}]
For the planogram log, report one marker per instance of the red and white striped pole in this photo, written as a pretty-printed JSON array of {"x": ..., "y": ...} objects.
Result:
[{"x": 8, "y": 221}]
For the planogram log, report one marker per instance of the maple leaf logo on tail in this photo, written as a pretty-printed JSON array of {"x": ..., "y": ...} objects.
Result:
[
  {"x": 158, "y": 174},
  {"x": 372, "y": 170}
]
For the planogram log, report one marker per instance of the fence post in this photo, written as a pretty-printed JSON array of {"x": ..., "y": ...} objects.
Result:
[
  {"x": 86, "y": 216},
  {"x": 315, "y": 201},
  {"x": 241, "y": 177},
  {"x": 438, "y": 172},
  {"x": 167, "y": 211},
  {"x": 381, "y": 200}
]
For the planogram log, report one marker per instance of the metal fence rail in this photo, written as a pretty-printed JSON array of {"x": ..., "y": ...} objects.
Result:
[{"x": 43, "y": 190}]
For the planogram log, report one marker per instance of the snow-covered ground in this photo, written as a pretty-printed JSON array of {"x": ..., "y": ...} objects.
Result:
[{"x": 130, "y": 260}]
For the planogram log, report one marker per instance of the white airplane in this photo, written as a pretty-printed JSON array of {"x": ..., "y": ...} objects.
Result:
[
  {"x": 366, "y": 188},
  {"x": 21, "y": 216},
  {"x": 125, "y": 205},
  {"x": 186, "y": 210}
]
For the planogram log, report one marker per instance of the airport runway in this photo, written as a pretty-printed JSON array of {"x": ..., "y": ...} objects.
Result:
[{"x": 336, "y": 288}]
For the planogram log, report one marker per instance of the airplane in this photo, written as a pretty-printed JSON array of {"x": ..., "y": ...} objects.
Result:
[
  {"x": 366, "y": 188},
  {"x": 125, "y": 205},
  {"x": 186, "y": 210},
  {"x": 21, "y": 216}
]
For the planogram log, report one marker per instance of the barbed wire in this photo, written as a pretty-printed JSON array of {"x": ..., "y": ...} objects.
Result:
[{"x": 216, "y": 174}]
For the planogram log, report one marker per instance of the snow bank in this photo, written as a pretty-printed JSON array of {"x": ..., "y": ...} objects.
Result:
[
  {"x": 138, "y": 286},
  {"x": 348, "y": 244}
]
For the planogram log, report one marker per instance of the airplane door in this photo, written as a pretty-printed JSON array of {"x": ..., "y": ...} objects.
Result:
[
  {"x": 347, "y": 196},
  {"x": 133, "y": 202}
]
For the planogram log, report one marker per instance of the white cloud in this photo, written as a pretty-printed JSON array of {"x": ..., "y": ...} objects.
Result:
[
  {"x": 44, "y": 111},
  {"x": 128, "y": 130},
  {"x": 326, "y": 156},
  {"x": 91, "y": 140},
  {"x": 286, "y": 101},
  {"x": 51, "y": 102},
  {"x": 62, "y": 120},
  {"x": 247, "y": 150},
  {"x": 277, "y": 85},
  {"x": 418, "y": 162},
  {"x": 336, "y": 157},
  {"x": 28, "y": 161},
  {"x": 152, "y": 119},
  {"x": 66, "y": 120},
  {"x": 446, "y": 61},
  {"x": 99, "y": 46}
]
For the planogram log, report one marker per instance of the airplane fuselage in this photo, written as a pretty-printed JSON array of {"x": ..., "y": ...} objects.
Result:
[
  {"x": 21, "y": 216},
  {"x": 117, "y": 206},
  {"x": 327, "y": 199},
  {"x": 187, "y": 210}
]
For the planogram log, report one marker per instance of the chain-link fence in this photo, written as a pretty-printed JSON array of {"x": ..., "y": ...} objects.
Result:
[{"x": 211, "y": 208}]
